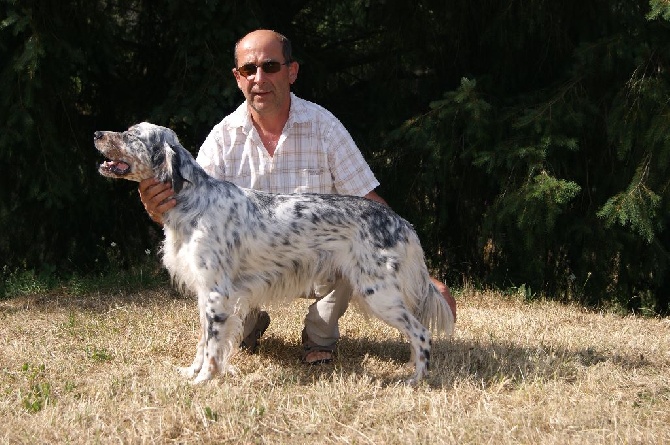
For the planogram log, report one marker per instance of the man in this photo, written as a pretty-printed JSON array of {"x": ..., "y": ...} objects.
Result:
[{"x": 280, "y": 143}]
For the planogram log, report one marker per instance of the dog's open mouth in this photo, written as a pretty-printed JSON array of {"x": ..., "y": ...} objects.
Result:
[{"x": 118, "y": 168}]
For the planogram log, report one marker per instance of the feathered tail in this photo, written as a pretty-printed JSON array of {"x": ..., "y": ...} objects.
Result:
[
  {"x": 425, "y": 300},
  {"x": 434, "y": 312}
]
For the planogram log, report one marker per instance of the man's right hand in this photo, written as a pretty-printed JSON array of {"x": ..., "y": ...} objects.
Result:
[{"x": 157, "y": 197}]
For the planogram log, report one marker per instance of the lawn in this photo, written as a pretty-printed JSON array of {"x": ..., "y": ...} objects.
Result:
[{"x": 101, "y": 368}]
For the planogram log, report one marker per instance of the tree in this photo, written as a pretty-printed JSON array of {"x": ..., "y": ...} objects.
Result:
[{"x": 526, "y": 141}]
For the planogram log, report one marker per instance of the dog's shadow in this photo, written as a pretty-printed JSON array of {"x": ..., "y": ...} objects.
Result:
[
  {"x": 353, "y": 357},
  {"x": 490, "y": 364}
]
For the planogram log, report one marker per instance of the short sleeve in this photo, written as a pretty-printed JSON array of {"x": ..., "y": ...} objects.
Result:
[
  {"x": 208, "y": 157},
  {"x": 351, "y": 173}
]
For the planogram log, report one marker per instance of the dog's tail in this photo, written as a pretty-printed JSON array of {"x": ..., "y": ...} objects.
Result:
[
  {"x": 425, "y": 300},
  {"x": 434, "y": 312}
]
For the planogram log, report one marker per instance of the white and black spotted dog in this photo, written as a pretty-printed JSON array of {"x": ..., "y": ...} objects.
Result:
[{"x": 241, "y": 249}]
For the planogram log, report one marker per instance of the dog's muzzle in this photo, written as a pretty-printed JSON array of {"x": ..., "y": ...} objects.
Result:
[{"x": 111, "y": 166}]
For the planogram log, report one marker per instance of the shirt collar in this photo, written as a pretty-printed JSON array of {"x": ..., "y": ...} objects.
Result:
[{"x": 298, "y": 113}]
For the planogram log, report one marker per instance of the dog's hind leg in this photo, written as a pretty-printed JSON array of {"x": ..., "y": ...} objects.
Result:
[
  {"x": 389, "y": 307},
  {"x": 223, "y": 330}
]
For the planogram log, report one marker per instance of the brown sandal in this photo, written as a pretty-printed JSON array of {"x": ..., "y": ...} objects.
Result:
[
  {"x": 317, "y": 350},
  {"x": 309, "y": 348}
]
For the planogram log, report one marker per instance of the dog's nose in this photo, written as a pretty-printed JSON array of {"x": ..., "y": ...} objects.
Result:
[{"x": 97, "y": 135}]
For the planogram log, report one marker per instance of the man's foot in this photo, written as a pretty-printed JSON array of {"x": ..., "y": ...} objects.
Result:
[
  {"x": 317, "y": 357},
  {"x": 250, "y": 343},
  {"x": 313, "y": 354}
]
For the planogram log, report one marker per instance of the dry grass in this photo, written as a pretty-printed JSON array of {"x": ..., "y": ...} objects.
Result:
[{"x": 101, "y": 369}]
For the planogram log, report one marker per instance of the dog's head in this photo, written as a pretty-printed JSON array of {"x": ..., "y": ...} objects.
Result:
[{"x": 143, "y": 151}]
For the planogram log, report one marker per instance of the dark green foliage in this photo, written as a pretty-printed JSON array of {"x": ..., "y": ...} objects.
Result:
[
  {"x": 76, "y": 67},
  {"x": 570, "y": 150},
  {"x": 528, "y": 142}
]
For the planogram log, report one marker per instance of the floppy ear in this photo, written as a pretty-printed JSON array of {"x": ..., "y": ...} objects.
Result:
[
  {"x": 170, "y": 161},
  {"x": 175, "y": 165},
  {"x": 166, "y": 164}
]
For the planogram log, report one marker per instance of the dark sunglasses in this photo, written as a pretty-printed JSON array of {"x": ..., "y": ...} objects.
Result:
[{"x": 249, "y": 69}]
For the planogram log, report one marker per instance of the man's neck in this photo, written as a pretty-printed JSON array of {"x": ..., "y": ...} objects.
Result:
[
  {"x": 269, "y": 126},
  {"x": 270, "y": 120},
  {"x": 269, "y": 123}
]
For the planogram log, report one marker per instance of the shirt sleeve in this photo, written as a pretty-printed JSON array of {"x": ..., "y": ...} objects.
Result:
[
  {"x": 351, "y": 173},
  {"x": 208, "y": 157}
]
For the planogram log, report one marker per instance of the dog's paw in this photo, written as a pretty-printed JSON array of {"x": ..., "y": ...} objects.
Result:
[
  {"x": 203, "y": 376},
  {"x": 412, "y": 382},
  {"x": 419, "y": 374},
  {"x": 210, "y": 368},
  {"x": 188, "y": 371},
  {"x": 208, "y": 374}
]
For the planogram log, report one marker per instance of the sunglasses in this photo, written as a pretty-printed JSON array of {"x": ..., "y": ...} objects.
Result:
[{"x": 249, "y": 69}]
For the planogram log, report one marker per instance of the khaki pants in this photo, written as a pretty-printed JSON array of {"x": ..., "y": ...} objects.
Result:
[{"x": 321, "y": 321}]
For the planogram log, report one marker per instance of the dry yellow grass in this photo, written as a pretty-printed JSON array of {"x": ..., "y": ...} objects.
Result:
[{"x": 101, "y": 369}]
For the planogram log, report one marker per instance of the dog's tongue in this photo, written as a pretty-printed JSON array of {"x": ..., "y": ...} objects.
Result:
[{"x": 118, "y": 167}]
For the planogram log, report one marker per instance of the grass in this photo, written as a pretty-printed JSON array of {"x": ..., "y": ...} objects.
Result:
[{"x": 99, "y": 367}]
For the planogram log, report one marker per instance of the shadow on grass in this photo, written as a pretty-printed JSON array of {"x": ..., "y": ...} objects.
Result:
[
  {"x": 491, "y": 363},
  {"x": 497, "y": 364}
]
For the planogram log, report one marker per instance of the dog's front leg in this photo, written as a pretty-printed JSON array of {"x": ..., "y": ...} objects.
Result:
[
  {"x": 222, "y": 332},
  {"x": 193, "y": 370}
]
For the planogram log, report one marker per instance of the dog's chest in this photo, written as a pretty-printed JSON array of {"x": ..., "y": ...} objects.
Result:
[
  {"x": 196, "y": 253},
  {"x": 177, "y": 253}
]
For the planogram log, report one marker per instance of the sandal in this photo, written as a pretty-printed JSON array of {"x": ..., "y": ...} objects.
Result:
[
  {"x": 317, "y": 355},
  {"x": 313, "y": 354},
  {"x": 250, "y": 342}
]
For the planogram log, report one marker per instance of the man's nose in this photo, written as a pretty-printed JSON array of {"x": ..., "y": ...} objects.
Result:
[{"x": 260, "y": 75}]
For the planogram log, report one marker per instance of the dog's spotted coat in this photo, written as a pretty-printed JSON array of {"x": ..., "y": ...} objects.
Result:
[{"x": 239, "y": 249}]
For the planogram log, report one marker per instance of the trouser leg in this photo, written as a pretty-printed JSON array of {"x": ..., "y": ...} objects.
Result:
[{"x": 321, "y": 322}]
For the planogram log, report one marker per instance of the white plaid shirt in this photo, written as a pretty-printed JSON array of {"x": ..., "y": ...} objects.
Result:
[{"x": 315, "y": 154}]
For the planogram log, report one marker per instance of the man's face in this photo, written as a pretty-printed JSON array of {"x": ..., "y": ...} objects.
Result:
[{"x": 265, "y": 92}]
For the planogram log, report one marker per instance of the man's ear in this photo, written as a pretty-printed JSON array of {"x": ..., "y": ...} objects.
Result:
[
  {"x": 293, "y": 69},
  {"x": 238, "y": 78}
]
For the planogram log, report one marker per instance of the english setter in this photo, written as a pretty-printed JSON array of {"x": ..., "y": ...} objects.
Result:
[{"x": 239, "y": 249}]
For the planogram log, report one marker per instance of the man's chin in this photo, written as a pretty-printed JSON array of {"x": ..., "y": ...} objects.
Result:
[{"x": 262, "y": 105}]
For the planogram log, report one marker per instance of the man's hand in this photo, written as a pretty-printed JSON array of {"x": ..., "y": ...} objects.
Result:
[
  {"x": 157, "y": 197},
  {"x": 446, "y": 293}
]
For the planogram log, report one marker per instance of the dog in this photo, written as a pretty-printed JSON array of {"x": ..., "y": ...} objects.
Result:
[{"x": 239, "y": 249}]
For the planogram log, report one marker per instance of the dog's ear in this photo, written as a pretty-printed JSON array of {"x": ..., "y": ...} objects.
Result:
[
  {"x": 158, "y": 162},
  {"x": 175, "y": 164},
  {"x": 166, "y": 164},
  {"x": 170, "y": 161}
]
